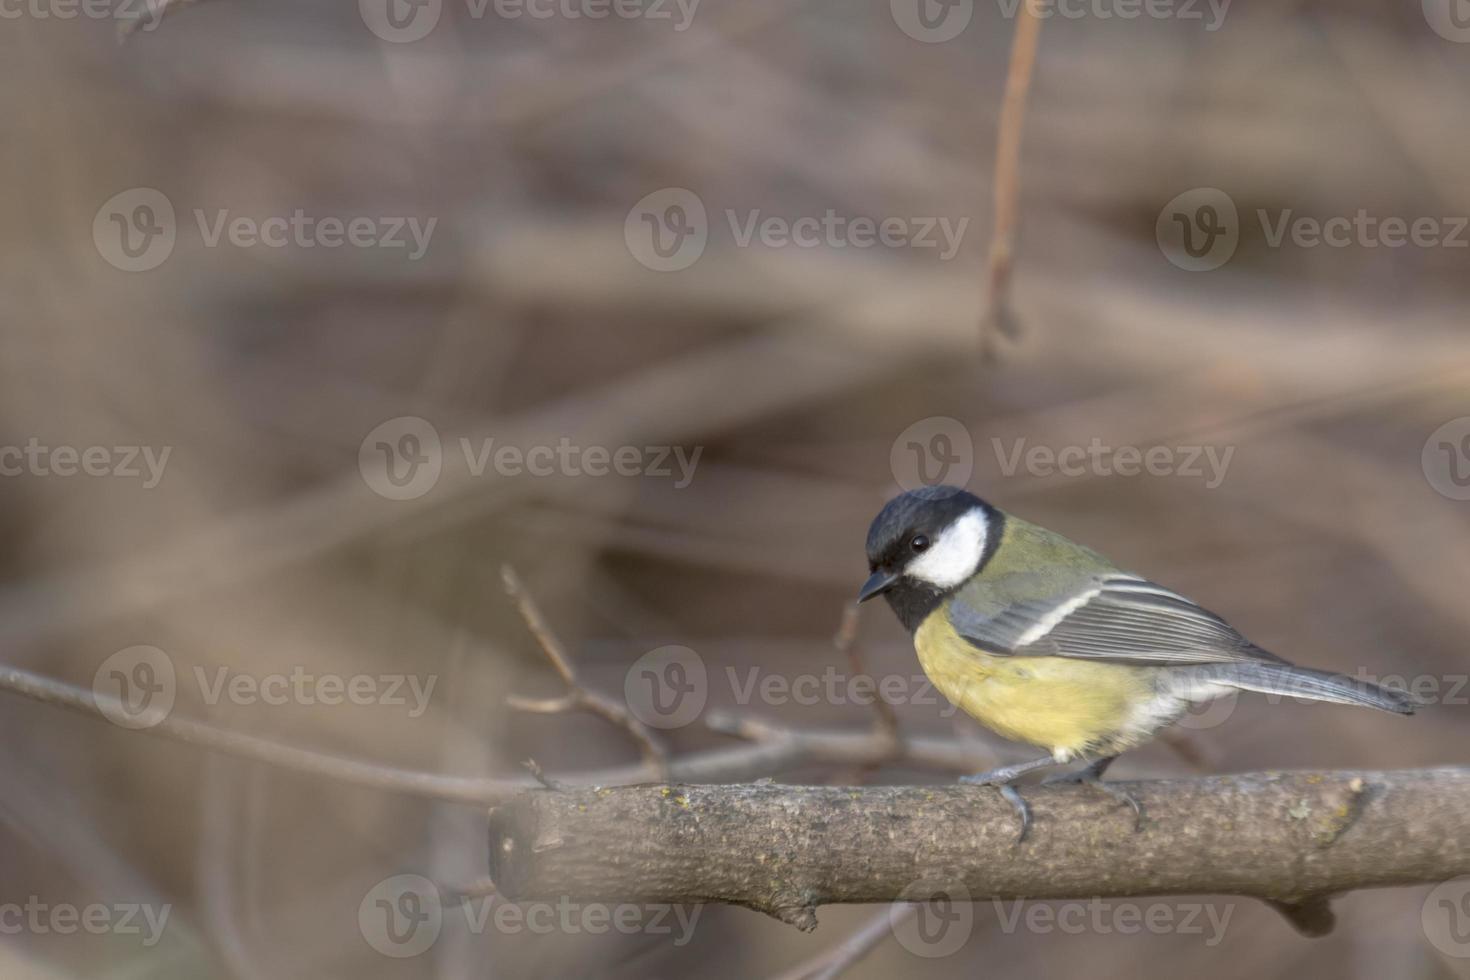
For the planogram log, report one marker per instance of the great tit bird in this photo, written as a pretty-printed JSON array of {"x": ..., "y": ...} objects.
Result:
[{"x": 1047, "y": 642}]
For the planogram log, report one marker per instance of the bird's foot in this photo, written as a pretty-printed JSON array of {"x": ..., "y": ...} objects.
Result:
[
  {"x": 1091, "y": 776},
  {"x": 1001, "y": 779}
]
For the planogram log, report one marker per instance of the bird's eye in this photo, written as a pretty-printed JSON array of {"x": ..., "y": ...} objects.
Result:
[{"x": 919, "y": 543}]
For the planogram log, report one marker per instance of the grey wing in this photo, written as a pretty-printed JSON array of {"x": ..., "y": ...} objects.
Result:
[{"x": 1118, "y": 618}]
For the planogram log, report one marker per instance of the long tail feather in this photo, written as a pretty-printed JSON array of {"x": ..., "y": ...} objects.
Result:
[{"x": 1316, "y": 685}]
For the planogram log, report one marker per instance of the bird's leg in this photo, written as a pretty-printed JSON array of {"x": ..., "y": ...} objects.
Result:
[
  {"x": 1091, "y": 775},
  {"x": 1002, "y": 778}
]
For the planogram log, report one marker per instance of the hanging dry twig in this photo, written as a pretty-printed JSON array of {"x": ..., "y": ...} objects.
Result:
[
  {"x": 834, "y": 961},
  {"x": 845, "y": 642},
  {"x": 998, "y": 316},
  {"x": 153, "y": 13}
]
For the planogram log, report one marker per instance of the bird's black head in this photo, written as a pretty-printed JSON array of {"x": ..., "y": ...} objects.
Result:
[{"x": 924, "y": 544}]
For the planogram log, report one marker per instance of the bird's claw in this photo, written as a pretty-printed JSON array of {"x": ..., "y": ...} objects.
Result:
[
  {"x": 1023, "y": 809},
  {"x": 1001, "y": 780},
  {"x": 1087, "y": 777}
]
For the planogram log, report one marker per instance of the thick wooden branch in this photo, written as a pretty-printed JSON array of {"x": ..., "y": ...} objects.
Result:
[{"x": 1289, "y": 838}]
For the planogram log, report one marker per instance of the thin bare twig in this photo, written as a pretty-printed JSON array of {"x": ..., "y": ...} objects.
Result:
[
  {"x": 845, "y": 642},
  {"x": 844, "y": 955},
  {"x": 769, "y": 748},
  {"x": 885, "y": 724},
  {"x": 456, "y": 895},
  {"x": 998, "y": 314},
  {"x": 539, "y": 774},
  {"x": 154, "y": 11},
  {"x": 577, "y": 696}
]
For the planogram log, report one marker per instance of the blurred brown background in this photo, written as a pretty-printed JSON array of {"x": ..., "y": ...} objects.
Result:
[{"x": 529, "y": 318}]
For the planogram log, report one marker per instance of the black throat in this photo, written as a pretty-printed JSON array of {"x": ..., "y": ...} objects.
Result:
[{"x": 912, "y": 602}]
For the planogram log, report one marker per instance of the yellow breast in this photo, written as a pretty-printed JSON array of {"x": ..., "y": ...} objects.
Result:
[{"x": 1064, "y": 706}]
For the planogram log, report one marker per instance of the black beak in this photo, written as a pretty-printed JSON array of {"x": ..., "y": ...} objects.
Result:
[{"x": 877, "y": 584}]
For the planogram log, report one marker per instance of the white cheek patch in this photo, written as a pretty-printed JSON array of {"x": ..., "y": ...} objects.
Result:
[{"x": 956, "y": 555}]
